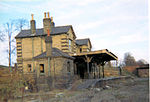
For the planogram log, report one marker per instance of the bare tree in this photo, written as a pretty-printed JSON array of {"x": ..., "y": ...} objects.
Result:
[
  {"x": 141, "y": 62},
  {"x": 11, "y": 28},
  {"x": 2, "y": 36},
  {"x": 129, "y": 60},
  {"x": 20, "y": 23}
]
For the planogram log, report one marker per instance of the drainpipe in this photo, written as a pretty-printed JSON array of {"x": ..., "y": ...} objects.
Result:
[
  {"x": 33, "y": 53},
  {"x": 41, "y": 46},
  {"x": 48, "y": 66}
]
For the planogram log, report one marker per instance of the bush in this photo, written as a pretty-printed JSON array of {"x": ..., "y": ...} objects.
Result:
[{"x": 13, "y": 84}]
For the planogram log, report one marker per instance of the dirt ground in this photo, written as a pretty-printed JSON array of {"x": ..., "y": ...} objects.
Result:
[{"x": 129, "y": 90}]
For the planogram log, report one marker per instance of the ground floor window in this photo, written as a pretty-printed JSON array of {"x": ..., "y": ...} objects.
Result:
[
  {"x": 29, "y": 68},
  {"x": 80, "y": 50},
  {"x": 41, "y": 68}
]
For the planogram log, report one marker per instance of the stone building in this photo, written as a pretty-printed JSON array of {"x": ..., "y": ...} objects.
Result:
[
  {"x": 83, "y": 45},
  {"x": 55, "y": 51},
  {"x": 31, "y": 43}
]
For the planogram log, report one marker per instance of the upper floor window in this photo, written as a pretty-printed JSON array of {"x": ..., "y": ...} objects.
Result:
[
  {"x": 70, "y": 41},
  {"x": 88, "y": 50}
]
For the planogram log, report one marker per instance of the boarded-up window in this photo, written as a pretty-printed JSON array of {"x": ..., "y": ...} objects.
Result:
[
  {"x": 29, "y": 67},
  {"x": 41, "y": 68},
  {"x": 80, "y": 49}
]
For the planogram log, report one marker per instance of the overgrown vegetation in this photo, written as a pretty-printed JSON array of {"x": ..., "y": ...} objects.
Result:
[
  {"x": 129, "y": 60},
  {"x": 12, "y": 84}
]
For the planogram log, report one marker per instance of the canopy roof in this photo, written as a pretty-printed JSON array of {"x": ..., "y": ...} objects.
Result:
[{"x": 97, "y": 56}]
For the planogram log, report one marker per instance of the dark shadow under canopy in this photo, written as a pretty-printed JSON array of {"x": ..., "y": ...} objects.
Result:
[{"x": 84, "y": 60}]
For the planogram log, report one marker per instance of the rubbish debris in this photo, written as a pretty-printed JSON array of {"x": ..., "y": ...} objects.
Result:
[
  {"x": 107, "y": 87},
  {"x": 59, "y": 95}
]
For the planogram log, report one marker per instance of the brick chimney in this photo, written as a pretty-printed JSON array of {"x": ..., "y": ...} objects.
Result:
[
  {"x": 48, "y": 41},
  {"x": 32, "y": 25},
  {"x": 46, "y": 22},
  {"x": 52, "y": 22}
]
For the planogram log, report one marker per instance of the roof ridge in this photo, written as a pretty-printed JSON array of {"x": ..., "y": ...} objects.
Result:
[
  {"x": 53, "y": 27},
  {"x": 29, "y": 29},
  {"x": 83, "y": 39},
  {"x": 62, "y": 26},
  {"x": 56, "y": 50},
  {"x": 60, "y": 52},
  {"x": 39, "y": 31}
]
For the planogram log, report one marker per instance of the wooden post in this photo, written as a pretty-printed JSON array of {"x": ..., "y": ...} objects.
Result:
[
  {"x": 88, "y": 60},
  {"x": 103, "y": 63},
  {"x": 88, "y": 69},
  {"x": 94, "y": 70},
  {"x": 103, "y": 70},
  {"x": 99, "y": 71}
]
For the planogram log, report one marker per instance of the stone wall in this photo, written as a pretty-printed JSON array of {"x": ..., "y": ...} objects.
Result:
[
  {"x": 27, "y": 48},
  {"x": 59, "y": 76},
  {"x": 58, "y": 66},
  {"x": 84, "y": 48}
]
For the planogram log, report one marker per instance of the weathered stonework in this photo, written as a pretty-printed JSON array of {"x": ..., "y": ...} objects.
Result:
[{"x": 51, "y": 62}]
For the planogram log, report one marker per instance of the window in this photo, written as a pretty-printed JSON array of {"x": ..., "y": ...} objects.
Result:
[
  {"x": 80, "y": 50},
  {"x": 19, "y": 49},
  {"x": 18, "y": 42},
  {"x": 19, "y": 52},
  {"x": 68, "y": 66},
  {"x": 41, "y": 68},
  {"x": 19, "y": 56},
  {"x": 70, "y": 44},
  {"x": 88, "y": 50},
  {"x": 18, "y": 45},
  {"x": 29, "y": 68}
]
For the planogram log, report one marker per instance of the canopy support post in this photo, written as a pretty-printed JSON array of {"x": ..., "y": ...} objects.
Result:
[
  {"x": 102, "y": 64},
  {"x": 88, "y": 60}
]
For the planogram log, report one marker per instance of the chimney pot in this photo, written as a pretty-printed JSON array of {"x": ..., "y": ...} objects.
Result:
[
  {"x": 32, "y": 25},
  {"x": 46, "y": 23},
  {"x": 44, "y": 14},
  {"x": 32, "y": 16},
  {"x": 51, "y": 19},
  {"x": 48, "y": 14}
]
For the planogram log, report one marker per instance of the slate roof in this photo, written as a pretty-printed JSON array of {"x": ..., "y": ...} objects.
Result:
[
  {"x": 39, "y": 32},
  {"x": 55, "y": 53},
  {"x": 82, "y": 41}
]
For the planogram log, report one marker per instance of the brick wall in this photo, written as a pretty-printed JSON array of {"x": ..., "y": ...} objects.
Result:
[
  {"x": 143, "y": 72},
  {"x": 131, "y": 68}
]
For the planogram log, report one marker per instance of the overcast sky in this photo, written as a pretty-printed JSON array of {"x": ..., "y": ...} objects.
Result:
[{"x": 117, "y": 25}]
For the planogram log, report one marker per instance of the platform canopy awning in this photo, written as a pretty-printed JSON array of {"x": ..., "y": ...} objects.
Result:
[
  {"x": 96, "y": 56},
  {"x": 99, "y": 57}
]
